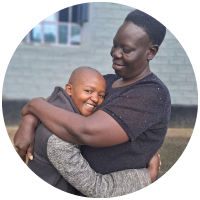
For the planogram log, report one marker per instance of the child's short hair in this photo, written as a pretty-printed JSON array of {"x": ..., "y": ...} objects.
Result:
[{"x": 78, "y": 72}]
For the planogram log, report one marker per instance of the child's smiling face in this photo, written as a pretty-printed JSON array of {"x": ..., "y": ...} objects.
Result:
[{"x": 87, "y": 92}]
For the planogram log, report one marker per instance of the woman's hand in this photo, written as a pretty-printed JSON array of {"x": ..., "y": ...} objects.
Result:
[
  {"x": 154, "y": 166},
  {"x": 25, "y": 136},
  {"x": 26, "y": 108}
]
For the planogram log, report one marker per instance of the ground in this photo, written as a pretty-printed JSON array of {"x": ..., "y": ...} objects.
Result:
[{"x": 175, "y": 142}]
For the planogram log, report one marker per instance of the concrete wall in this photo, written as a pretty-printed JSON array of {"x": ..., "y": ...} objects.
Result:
[{"x": 35, "y": 70}]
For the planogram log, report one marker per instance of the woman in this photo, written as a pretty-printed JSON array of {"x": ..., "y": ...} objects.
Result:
[{"x": 130, "y": 125}]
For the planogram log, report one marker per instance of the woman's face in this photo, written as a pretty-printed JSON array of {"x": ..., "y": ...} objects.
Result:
[{"x": 130, "y": 51}]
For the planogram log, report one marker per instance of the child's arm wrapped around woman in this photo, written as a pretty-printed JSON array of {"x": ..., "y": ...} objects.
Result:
[{"x": 67, "y": 159}]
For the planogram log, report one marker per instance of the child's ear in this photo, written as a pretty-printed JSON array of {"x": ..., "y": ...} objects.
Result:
[{"x": 68, "y": 89}]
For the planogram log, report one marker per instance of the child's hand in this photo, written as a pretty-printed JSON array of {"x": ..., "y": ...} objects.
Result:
[
  {"x": 25, "y": 136},
  {"x": 154, "y": 166}
]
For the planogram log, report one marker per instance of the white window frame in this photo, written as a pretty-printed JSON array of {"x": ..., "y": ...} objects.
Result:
[{"x": 56, "y": 23}]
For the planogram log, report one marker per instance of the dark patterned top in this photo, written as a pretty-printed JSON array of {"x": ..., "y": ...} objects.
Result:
[{"x": 143, "y": 110}]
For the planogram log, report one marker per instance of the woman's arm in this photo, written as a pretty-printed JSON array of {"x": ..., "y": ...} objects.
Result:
[
  {"x": 68, "y": 160},
  {"x": 97, "y": 130}
]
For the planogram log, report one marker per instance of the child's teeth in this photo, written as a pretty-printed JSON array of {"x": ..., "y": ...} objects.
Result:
[{"x": 90, "y": 105}]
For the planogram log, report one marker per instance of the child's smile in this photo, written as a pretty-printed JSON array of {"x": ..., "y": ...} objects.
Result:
[{"x": 87, "y": 92}]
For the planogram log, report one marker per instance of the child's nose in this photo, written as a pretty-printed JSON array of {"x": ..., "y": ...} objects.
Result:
[{"x": 95, "y": 98}]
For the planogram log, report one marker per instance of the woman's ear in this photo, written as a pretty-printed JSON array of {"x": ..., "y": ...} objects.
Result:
[
  {"x": 68, "y": 89},
  {"x": 152, "y": 52}
]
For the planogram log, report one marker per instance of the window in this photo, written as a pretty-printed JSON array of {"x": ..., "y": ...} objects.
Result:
[{"x": 61, "y": 28}]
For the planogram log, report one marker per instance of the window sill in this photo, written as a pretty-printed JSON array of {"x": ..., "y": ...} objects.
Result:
[{"x": 50, "y": 45}]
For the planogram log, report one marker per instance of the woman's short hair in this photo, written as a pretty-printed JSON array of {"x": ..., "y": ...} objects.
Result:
[{"x": 155, "y": 30}]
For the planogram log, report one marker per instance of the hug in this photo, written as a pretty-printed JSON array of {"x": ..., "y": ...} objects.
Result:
[{"x": 103, "y": 143}]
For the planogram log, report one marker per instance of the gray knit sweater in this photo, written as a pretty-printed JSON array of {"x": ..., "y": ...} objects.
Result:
[{"x": 67, "y": 159}]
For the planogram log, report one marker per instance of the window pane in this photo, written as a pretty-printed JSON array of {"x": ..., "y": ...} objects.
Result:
[
  {"x": 35, "y": 34},
  {"x": 84, "y": 11},
  {"x": 75, "y": 35},
  {"x": 80, "y": 13},
  {"x": 75, "y": 13},
  {"x": 51, "y": 18},
  {"x": 63, "y": 29},
  {"x": 64, "y": 15},
  {"x": 49, "y": 33}
]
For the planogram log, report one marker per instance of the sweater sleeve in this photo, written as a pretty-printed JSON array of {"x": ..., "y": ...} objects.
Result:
[{"x": 67, "y": 159}]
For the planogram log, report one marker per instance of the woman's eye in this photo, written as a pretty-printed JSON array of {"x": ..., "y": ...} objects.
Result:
[
  {"x": 126, "y": 51},
  {"x": 89, "y": 91},
  {"x": 102, "y": 96}
]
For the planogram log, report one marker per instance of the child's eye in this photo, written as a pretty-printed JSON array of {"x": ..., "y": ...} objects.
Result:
[
  {"x": 102, "y": 96},
  {"x": 89, "y": 91}
]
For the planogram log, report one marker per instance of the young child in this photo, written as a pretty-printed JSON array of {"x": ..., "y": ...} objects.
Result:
[{"x": 84, "y": 92}]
